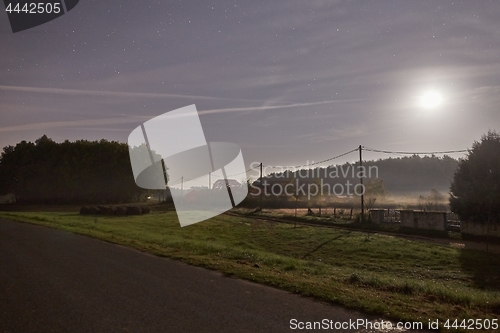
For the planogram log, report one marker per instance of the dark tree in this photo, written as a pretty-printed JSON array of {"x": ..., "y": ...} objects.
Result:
[
  {"x": 475, "y": 190},
  {"x": 68, "y": 172}
]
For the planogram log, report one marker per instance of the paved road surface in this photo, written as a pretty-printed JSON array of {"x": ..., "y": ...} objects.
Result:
[{"x": 56, "y": 281}]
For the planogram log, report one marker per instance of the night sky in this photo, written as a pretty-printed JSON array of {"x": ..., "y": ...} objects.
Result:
[{"x": 288, "y": 81}]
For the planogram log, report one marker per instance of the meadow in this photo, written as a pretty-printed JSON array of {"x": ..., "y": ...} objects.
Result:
[{"x": 379, "y": 274}]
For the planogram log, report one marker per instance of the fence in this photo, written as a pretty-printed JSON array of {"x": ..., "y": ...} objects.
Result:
[
  {"x": 424, "y": 220},
  {"x": 417, "y": 219},
  {"x": 333, "y": 212}
]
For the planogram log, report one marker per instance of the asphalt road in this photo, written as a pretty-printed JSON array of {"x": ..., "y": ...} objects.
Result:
[{"x": 56, "y": 281}]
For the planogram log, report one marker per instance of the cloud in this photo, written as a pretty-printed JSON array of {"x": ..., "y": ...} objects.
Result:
[
  {"x": 136, "y": 119},
  {"x": 74, "y": 123},
  {"x": 107, "y": 93},
  {"x": 266, "y": 107}
]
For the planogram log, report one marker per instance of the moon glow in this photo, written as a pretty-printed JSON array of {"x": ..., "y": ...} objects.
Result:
[{"x": 431, "y": 100}]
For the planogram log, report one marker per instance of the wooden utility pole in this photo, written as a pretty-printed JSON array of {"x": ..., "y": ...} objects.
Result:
[
  {"x": 361, "y": 182},
  {"x": 261, "y": 186}
]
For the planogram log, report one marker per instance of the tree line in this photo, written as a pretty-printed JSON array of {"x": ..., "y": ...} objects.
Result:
[
  {"x": 400, "y": 175},
  {"x": 77, "y": 172}
]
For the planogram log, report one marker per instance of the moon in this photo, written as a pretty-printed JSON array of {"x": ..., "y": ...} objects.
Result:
[{"x": 431, "y": 100}]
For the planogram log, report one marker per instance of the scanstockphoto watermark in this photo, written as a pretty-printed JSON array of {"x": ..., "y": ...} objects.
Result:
[
  {"x": 296, "y": 189},
  {"x": 311, "y": 182}
]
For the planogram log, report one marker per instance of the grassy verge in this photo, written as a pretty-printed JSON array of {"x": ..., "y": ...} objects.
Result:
[{"x": 378, "y": 274}]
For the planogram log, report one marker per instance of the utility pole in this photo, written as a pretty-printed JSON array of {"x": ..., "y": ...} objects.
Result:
[
  {"x": 165, "y": 178},
  {"x": 261, "y": 186},
  {"x": 361, "y": 182},
  {"x": 209, "y": 180},
  {"x": 228, "y": 187},
  {"x": 182, "y": 188}
]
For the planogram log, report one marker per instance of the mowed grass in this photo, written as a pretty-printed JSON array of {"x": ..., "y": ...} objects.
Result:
[{"x": 386, "y": 275}]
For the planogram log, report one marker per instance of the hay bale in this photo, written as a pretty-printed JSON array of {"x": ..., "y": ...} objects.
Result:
[
  {"x": 120, "y": 211},
  {"x": 85, "y": 210},
  {"x": 133, "y": 210},
  {"x": 109, "y": 210},
  {"x": 102, "y": 209},
  {"x": 94, "y": 210}
]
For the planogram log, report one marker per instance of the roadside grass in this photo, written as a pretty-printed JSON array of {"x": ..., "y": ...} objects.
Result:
[{"x": 379, "y": 274}]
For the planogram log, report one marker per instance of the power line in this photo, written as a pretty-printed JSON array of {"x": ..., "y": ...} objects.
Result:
[
  {"x": 297, "y": 166},
  {"x": 246, "y": 171},
  {"x": 415, "y": 153},
  {"x": 351, "y": 151},
  {"x": 315, "y": 163}
]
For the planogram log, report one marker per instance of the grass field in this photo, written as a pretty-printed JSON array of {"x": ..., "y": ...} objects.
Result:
[{"x": 379, "y": 274}]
